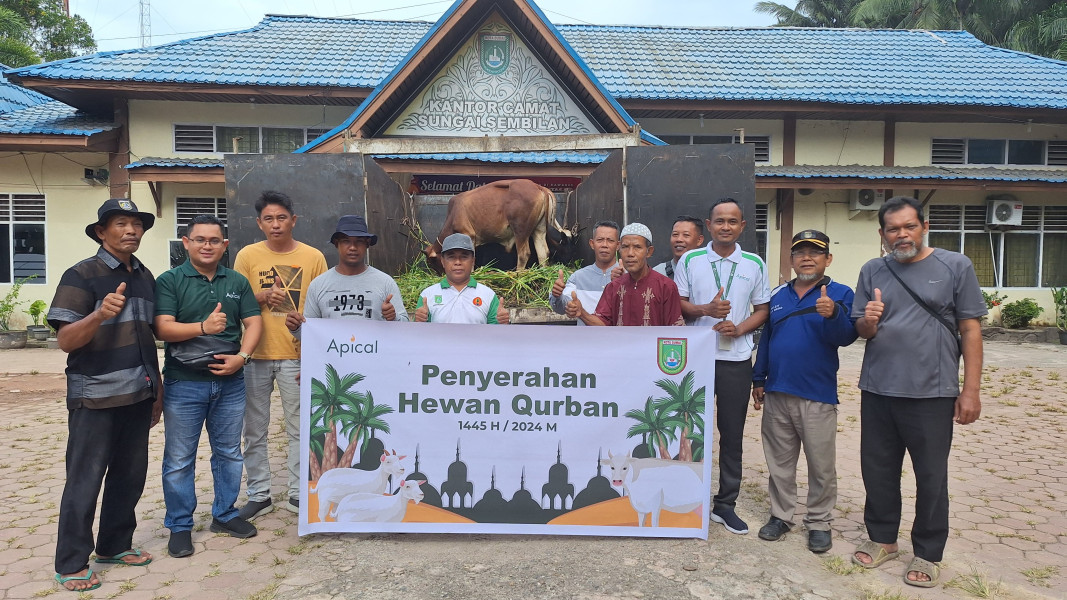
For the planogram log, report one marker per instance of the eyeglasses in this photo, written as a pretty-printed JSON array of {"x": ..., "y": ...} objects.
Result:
[
  {"x": 807, "y": 253},
  {"x": 213, "y": 242}
]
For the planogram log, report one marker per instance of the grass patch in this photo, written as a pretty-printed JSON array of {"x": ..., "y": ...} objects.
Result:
[
  {"x": 266, "y": 593},
  {"x": 1041, "y": 575},
  {"x": 976, "y": 584},
  {"x": 841, "y": 566},
  {"x": 873, "y": 594}
]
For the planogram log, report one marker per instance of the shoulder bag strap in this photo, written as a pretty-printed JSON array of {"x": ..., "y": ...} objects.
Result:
[{"x": 953, "y": 330}]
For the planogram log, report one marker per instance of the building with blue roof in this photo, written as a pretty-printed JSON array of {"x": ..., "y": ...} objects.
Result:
[{"x": 838, "y": 120}]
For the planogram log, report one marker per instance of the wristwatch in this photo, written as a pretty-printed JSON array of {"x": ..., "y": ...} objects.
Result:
[{"x": 246, "y": 356}]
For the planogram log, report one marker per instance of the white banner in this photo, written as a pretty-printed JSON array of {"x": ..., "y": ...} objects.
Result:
[{"x": 505, "y": 429}]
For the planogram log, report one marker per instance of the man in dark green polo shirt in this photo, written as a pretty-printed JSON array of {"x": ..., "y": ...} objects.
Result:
[{"x": 203, "y": 298}]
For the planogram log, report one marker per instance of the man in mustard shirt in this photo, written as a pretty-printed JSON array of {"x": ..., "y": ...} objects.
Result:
[{"x": 280, "y": 270}]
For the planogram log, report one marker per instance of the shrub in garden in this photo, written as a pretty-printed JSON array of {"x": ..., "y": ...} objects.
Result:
[{"x": 1018, "y": 314}]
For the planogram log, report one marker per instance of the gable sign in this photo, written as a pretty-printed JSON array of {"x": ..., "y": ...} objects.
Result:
[{"x": 493, "y": 85}]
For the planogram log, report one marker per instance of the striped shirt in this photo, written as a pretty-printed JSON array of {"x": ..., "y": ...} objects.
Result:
[{"x": 119, "y": 366}]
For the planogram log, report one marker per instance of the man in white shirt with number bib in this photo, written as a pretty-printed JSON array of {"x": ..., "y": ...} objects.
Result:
[
  {"x": 459, "y": 298},
  {"x": 353, "y": 289},
  {"x": 727, "y": 289}
]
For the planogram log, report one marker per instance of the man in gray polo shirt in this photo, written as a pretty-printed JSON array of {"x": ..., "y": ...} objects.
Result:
[
  {"x": 911, "y": 390},
  {"x": 589, "y": 281}
]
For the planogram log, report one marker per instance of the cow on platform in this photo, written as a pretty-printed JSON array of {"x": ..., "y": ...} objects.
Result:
[{"x": 509, "y": 213}]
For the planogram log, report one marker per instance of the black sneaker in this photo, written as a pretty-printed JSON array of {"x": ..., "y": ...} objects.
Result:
[
  {"x": 819, "y": 541},
  {"x": 293, "y": 505},
  {"x": 236, "y": 527},
  {"x": 180, "y": 544},
  {"x": 729, "y": 520},
  {"x": 255, "y": 508},
  {"x": 774, "y": 530}
]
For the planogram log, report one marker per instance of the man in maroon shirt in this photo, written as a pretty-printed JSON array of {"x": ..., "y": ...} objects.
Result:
[{"x": 640, "y": 296}]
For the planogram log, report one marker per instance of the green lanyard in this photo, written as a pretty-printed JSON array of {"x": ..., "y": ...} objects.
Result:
[{"x": 729, "y": 282}]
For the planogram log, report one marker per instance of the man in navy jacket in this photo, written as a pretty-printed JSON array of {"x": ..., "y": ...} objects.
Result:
[{"x": 796, "y": 376}]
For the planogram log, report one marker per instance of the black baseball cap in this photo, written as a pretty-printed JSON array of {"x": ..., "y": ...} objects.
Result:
[
  {"x": 814, "y": 237},
  {"x": 353, "y": 226},
  {"x": 117, "y": 206}
]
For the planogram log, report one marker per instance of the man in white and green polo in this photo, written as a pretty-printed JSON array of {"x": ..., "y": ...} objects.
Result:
[{"x": 459, "y": 298}]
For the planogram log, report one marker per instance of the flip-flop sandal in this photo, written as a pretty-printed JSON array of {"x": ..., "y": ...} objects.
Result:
[
  {"x": 117, "y": 559},
  {"x": 877, "y": 553},
  {"x": 921, "y": 565},
  {"x": 87, "y": 577}
]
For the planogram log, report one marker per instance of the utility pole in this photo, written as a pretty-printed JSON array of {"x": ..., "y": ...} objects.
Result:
[{"x": 146, "y": 23}]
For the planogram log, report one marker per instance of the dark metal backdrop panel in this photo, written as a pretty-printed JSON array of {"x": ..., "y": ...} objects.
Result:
[
  {"x": 323, "y": 187},
  {"x": 599, "y": 198},
  {"x": 390, "y": 214},
  {"x": 664, "y": 182}
]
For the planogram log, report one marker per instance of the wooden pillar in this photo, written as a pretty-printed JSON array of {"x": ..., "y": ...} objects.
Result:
[
  {"x": 889, "y": 146},
  {"x": 118, "y": 176},
  {"x": 785, "y": 198}
]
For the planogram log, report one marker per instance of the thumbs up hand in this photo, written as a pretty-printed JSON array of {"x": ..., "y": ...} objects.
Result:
[
  {"x": 275, "y": 295},
  {"x": 718, "y": 308},
  {"x": 557, "y": 287},
  {"x": 617, "y": 270},
  {"x": 824, "y": 305},
  {"x": 574, "y": 307},
  {"x": 422, "y": 314},
  {"x": 502, "y": 315},
  {"x": 216, "y": 321},
  {"x": 873, "y": 311},
  {"x": 388, "y": 310},
  {"x": 112, "y": 303}
]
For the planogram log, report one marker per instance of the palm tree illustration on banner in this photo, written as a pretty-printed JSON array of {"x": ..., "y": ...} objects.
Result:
[
  {"x": 688, "y": 405},
  {"x": 333, "y": 401},
  {"x": 659, "y": 424}
]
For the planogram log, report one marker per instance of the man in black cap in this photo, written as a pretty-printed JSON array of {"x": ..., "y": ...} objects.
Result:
[
  {"x": 795, "y": 375},
  {"x": 102, "y": 312},
  {"x": 353, "y": 289}
]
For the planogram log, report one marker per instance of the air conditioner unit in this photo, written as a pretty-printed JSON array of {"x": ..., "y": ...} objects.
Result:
[
  {"x": 866, "y": 199},
  {"x": 1004, "y": 212}
]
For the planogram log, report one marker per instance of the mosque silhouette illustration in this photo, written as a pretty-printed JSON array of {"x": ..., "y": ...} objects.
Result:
[{"x": 457, "y": 494}]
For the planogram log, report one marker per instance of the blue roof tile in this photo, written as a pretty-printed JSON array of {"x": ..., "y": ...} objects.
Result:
[
  {"x": 52, "y": 118},
  {"x": 845, "y": 66},
  {"x": 13, "y": 97}
]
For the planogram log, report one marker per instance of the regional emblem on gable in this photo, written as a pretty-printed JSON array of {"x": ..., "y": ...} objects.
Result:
[
  {"x": 494, "y": 51},
  {"x": 672, "y": 355}
]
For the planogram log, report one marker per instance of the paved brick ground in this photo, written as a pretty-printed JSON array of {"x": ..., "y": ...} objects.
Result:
[{"x": 1009, "y": 529}]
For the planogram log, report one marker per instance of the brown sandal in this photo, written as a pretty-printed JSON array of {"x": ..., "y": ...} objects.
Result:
[
  {"x": 921, "y": 565},
  {"x": 877, "y": 553}
]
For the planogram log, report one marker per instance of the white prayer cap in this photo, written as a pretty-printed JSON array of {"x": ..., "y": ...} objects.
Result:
[{"x": 637, "y": 229}]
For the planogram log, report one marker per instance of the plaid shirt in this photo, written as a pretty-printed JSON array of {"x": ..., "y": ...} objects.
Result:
[{"x": 119, "y": 366}]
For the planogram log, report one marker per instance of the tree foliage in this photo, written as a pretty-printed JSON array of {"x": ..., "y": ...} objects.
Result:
[
  {"x": 46, "y": 30},
  {"x": 1035, "y": 26}
]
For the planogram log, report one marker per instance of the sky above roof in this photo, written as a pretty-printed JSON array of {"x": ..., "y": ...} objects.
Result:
[{"x": 116, "y": 23}]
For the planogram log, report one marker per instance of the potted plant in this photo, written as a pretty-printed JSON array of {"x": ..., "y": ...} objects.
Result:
[
  {"x": 11, "y": 338},
  {"x": 36, "y": 311},
  {"x": 1059, "y": 300}
]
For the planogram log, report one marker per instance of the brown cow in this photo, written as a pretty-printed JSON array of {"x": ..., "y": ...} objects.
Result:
[{"x": 507, "y": 212}]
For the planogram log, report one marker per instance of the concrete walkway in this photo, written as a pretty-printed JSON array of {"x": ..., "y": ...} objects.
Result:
[{"x": 1009, "y": 529}]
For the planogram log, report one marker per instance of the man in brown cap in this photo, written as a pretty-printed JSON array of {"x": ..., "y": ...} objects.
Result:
[{"x": 102, "y": 313}]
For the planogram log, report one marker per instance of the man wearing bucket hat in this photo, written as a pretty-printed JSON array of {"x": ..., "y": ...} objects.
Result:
[
  {"x": 102, "y": 312},
  {"x": 459, "y": 298},
  {"x": 796, "y": 377},
  {"x": 640, "y": 296},
  {"x": 353, "y": 289}
]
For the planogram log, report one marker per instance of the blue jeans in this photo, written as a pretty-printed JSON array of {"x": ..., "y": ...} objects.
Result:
[{"x": 189, "y": 406}]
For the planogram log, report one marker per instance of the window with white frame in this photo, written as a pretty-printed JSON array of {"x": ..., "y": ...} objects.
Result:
[
  {"x": 242, "y": 139},
  {"x": 187, "y": 207},
  {"x": 761, "y": 143},
  {"x": 22, "y": 237},
  {"x": 1031, "y": 255},
  {"x": 978, "y": 151}
]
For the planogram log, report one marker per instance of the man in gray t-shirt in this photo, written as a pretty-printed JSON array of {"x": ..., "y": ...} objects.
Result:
[
  {"x": 353, "y": 289},
  {"x": 911, "y": 392},
  {"x": 589, "y": 281}
]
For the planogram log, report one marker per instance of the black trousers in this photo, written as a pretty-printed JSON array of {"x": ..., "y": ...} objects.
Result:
[
  {"x": 923, "y": 427},
  {"x": 107, "y": 447},
  {"x": 733, "y": 387}
]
